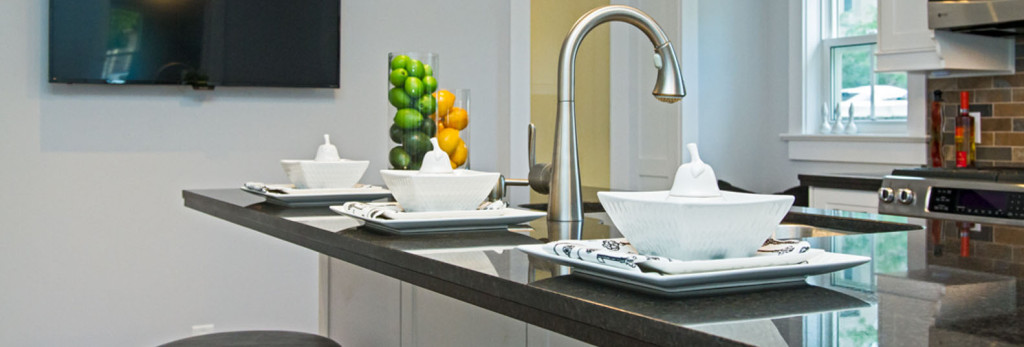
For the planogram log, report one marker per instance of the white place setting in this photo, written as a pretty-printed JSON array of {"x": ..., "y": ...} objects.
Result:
[{"x": 326, "y": 180}]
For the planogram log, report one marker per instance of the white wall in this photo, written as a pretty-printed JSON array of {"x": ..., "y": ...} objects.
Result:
[
  {"x": 743, "y": 105},
  {"x": 96, "y": 248}
]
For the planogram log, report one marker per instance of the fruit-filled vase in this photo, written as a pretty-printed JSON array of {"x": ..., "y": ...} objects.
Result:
[
  {"x": 421, "y": 109},
  {"x": 412, "y": 99}
]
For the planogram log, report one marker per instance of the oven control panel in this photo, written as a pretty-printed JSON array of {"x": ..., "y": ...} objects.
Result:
[{"x": 953, "y": 199}]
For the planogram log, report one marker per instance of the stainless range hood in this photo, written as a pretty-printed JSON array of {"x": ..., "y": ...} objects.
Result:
[{"x": 980, "y": 17}]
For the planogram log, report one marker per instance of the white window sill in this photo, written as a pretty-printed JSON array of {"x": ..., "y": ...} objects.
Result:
[{"x": 870, "y": 149}]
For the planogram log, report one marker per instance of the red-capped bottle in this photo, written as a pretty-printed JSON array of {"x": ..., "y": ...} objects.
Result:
[{"x": 963, "y": 134}]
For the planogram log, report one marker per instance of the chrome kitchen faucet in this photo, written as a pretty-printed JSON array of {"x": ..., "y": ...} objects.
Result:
[{"x": 561, "y": 178}]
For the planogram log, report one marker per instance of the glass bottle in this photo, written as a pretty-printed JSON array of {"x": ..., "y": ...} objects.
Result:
[
  {"x": 964, "y": 133},
  {"x": 935, "y": 126}
]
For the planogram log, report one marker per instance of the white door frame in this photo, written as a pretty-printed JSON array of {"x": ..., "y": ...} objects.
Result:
[{"x": 626, "y": 65}]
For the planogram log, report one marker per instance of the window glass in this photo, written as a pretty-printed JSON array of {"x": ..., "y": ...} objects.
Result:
[
  {"x": 855, "y": 17},
  {"x": 858, "y": 89}
]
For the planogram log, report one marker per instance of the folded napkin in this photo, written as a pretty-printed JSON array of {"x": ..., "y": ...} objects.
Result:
[
  {"x": 619, "y": 253},
  {"x": 393, "y": 211},
  {"x": 291, "y": 190}
]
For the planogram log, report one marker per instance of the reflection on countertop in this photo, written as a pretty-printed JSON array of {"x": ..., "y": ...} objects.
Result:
[{"x": 975, "y": 297}]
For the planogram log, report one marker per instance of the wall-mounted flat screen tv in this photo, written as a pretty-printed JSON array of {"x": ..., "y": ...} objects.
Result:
[{"x": 203, "y": 43}]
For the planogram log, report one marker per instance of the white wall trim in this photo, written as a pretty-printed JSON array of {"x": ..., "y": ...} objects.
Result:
[
  {"x": 854, "y": 138},
  {"x": 689, "y": 61},
  {"x": 519, "y": 97},
  {"x": 620, "y": 102},
  {"x": 858, "y": 149}
]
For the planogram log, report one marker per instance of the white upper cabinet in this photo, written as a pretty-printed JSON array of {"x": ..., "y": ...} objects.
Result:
[{"x": 906, "y": 44}]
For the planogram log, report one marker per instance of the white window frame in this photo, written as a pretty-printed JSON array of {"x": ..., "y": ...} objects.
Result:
[
  {"x": 828, "y": 43},
  {"x": 810, "y": 88}
]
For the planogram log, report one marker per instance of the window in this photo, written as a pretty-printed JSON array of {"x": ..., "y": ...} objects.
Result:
[
  {"x": 877, "y": 101},
  {"x": 832, "y": 75}
]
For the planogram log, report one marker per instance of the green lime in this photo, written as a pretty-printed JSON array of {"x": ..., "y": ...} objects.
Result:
[
  {"x": 408, "y": 118},
  {"x": 427, "y": 70},
  {"x": 398, "y": 77},
  {"x": 416, "y": 143},
  {"x": 398, "y": 98},
  {"x": 397, "y": 133},
  {"x": 415, "y": 68},
  {"x": 399, "y": 62},
  {"x": 429, "y": 84},
  {"x": 415, "y": 165},
  {"x": 399, "y": 158},
  {"x": 414, "y": 86},
  {"x": 426, "y": 104},
  {"x": 428, "y": 127}
]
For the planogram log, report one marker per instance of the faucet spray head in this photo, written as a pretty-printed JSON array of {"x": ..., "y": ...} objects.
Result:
[{"x": 669, "y": 86}]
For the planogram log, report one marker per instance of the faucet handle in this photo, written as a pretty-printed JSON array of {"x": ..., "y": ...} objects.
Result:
[
  {"x": 531, "y": 142},
  {"x": 540, "y": 174}
]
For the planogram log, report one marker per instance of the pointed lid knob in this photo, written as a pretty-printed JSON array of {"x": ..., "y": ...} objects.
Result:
[
  {"x": 436, "y": 161},
  {"x": 327, "y": 151},
  {"x": 695, "y": 179}
]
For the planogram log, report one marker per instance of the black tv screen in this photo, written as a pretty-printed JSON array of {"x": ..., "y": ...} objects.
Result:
[{"x": 203, "y": 43}]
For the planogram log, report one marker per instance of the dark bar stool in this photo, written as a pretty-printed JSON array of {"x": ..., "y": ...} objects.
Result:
[{"x": 256, "y": 338}]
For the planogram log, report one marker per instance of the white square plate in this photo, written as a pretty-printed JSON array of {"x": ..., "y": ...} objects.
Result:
[
  {"x": 453, "y": 221},
  {"x": 289, "y": 196},
  {"x": 703, "y": 283}
]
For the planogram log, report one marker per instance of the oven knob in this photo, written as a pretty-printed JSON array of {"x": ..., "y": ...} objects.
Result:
[
  {"x": 905, "y": 196},
  {"x": 885, "y": 194}
]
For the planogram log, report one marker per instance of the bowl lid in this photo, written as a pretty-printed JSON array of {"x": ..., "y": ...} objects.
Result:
[{"x": 695, "y": 179}]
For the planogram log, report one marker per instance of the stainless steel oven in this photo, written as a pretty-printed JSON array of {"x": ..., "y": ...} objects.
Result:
[
  {"x": 981, "y": 196},
  {"x": 973, "y": 276}
]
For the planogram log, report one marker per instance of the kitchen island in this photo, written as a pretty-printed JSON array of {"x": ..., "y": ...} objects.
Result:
[{"x": 484, "y": 269}]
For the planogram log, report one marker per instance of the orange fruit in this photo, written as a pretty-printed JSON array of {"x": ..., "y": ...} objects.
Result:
[
  {"x": 445, "y": 100},
  {"x": 448, "y": 139},
  {"x": 461, "y": 154},
  {"x": 457, "y": 118}
]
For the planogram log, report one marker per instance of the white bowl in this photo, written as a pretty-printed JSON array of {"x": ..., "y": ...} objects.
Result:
[
  {"x": 733, "y": 226},
  {"x": 461, "y": 190},
  {"x": 311, "y": 174}
]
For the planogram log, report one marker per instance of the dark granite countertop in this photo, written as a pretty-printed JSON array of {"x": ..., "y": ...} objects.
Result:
[
  {"x": 850, "y": 181},
  {"x": 857, "y": 306}
]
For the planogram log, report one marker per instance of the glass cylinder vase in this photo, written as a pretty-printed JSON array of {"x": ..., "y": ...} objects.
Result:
[
  {"x": 453, "y": 112},
  {"x": 412, "y": 86}
]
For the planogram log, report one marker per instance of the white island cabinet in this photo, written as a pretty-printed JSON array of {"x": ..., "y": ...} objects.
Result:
[
  {"x": 857, "y": 192},
  {"x": 365, "y": 308}
]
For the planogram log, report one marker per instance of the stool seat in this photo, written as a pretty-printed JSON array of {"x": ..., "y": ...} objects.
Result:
[{"x": 255, "y": 338}]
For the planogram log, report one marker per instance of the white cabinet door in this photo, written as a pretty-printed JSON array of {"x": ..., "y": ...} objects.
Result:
[
  {"x": 363, "y": 307},
  {"x": 843, "y": 199},
  {"x": 432, "y": 319},
  {"x": 540, "y": 337}
]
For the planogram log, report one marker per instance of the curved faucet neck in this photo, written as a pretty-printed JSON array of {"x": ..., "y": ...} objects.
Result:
[
  {"x": 583, "y": 26},
  {"x": 565, "y": 201}
]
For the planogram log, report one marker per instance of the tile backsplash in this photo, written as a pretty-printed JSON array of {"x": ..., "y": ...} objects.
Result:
[{"x": 1000, "y": 100}]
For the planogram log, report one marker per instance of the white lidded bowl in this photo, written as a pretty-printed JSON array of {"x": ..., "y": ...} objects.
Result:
[
  {"x": 460, "y": 190},
  {"x": 731, "y": 226},
  {"x": 312, "y": 174}
]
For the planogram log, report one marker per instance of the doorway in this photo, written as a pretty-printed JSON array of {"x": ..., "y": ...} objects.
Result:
[{"x": 550, "y": 21}]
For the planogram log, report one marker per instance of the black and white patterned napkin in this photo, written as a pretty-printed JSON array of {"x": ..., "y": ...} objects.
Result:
[{"x": 619, "y": 253}]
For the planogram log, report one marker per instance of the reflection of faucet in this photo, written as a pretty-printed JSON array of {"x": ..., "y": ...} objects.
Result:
[{"x": 563, "y": 181}]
